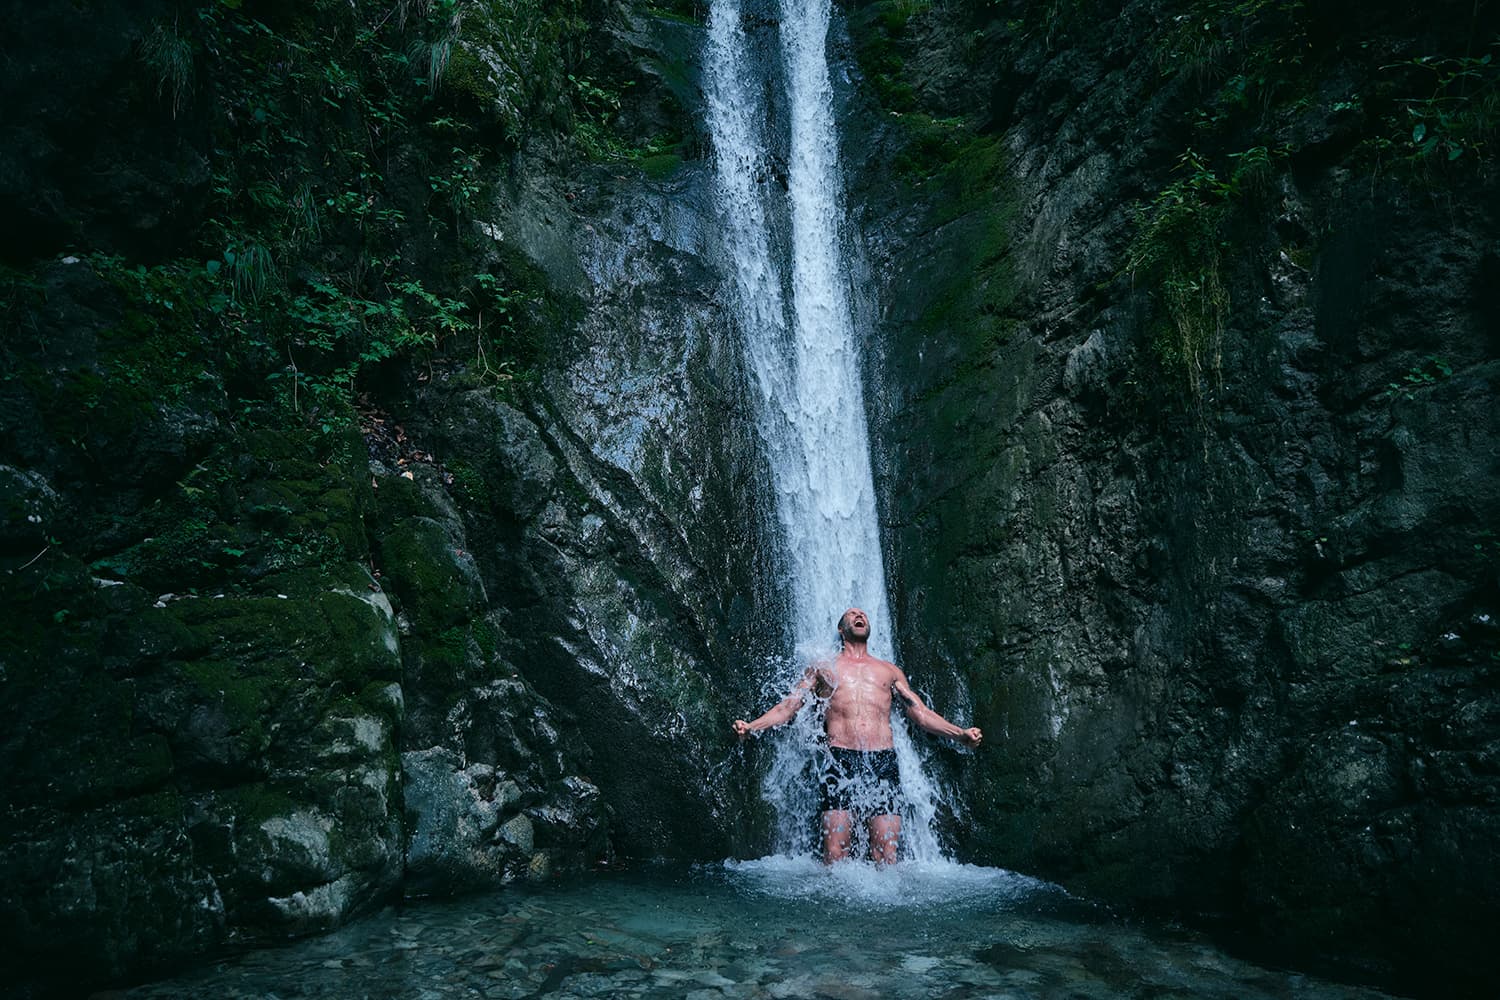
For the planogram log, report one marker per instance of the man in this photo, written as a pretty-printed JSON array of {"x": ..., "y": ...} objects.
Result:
[{"x": 861, "y": 775}]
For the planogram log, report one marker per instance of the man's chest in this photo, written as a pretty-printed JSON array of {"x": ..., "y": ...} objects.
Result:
[{"x": 859, "y": 686}]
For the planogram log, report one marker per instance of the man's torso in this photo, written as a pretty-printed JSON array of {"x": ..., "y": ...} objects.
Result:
[{"x": 858, "y": 702}]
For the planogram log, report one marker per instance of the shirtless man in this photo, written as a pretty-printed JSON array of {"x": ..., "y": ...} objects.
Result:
[{"x": 857, "y": 690}]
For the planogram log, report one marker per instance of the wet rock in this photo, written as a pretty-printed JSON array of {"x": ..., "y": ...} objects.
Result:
[
  {"x": 228, "y": 763},
  {"x": 482, "y": 745},
  {"x": 621, "y": 505},
  {"x": 28, "y": 508},
  {"x": 1170, "y": 602}
]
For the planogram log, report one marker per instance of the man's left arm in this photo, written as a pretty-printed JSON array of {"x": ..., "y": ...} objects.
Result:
[{"x": 929, "y": 720}]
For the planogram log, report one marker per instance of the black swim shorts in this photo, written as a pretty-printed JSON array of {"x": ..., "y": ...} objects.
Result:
[{"x": 867, "y": 782}]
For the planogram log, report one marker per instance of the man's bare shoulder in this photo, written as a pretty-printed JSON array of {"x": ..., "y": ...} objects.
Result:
[
  {"x": 821, "y": 677},
  {"x": 895, "y": 674}
]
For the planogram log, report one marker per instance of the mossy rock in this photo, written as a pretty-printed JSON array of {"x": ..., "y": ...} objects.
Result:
[
  {"x": 397, "y": 498},
  {"x": 115, "y": 876},
  {"x": 103, "y": 756},
  {"x": 433, "y": 577},
  {"x": 659, "y": 166},
  {"x": 265, "y": 501},
  {"x": 332, "y": 625},
  {"x": 504, "y": 66}
]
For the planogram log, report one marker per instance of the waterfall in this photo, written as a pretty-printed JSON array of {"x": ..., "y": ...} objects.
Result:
[{"x": 800, "y": 349}]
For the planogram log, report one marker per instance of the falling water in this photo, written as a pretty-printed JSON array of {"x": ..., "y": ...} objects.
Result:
[{"x": 804, "y": 360}]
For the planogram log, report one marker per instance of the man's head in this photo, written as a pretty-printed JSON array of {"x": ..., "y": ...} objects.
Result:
[{"x": 854, "y": 624}]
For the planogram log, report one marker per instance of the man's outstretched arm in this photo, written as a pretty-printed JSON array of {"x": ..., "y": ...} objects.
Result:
[
  {"x": 781, "y": 713},
  {"x": 929, "y": 720}
]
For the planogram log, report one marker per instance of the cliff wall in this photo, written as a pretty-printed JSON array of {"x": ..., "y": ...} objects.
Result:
[{"x": 1189, "y": 453}]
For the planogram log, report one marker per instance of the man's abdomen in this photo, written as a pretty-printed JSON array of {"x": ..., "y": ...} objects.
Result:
[{"x": 869, "y": 729}]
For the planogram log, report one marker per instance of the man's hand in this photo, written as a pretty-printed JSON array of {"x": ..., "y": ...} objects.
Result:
[
  {"x": 971, "y": 737},
  {"x": 742, "y": 728}
]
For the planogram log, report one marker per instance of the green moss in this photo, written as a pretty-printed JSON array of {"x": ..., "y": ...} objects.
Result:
[
  {"x": 467, "y": 77},
  {"x": 661, "y": 165},
  {"x": 254, "y": 803},
  {"x": 375, "y": 698},
  {"x": 272, "y": 500},
  {"x": 308, "y": 626},
  {"x": 977, "y": 179},
  {"x": 422, "y": 570},
  {"x": 681, "y": 11},
  {"x": 154, "y": 353},
  {"x": 146, "y": 762},
  {"x": 397, "y": 498},
  {"x": 486, "y": 638},
  {"x": 104, "y": 756},
  {"x": 470, "y": 485},
  {"x": 169, "y": 560},
  {"x": 163, "y": 808},
  {"x": 969, "y": 297},
  {"x": 538, "y": 309},
  {"x": 356, "y": 641},
  {"x": 1178, "y": 256},
  {"x": 445, "y": 658},
  {"x": 244, "y": 695},
  {"x": 244, "y": 698},
  {"x": 1303, "y": 256},
  {"x": 877, "y": 29}
]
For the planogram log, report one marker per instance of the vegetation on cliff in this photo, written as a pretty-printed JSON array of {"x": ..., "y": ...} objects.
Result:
[{"x": 236, "y": 230}]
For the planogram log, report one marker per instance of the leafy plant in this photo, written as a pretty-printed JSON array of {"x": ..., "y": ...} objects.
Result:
[
  {"x": 1254, "y": 45},
  {"x": 1179, "y": 250},
  {"x": 1431, "y": 370},
  {"x": 1460, "y": 112},
  {"x": 461, "y": 185},
  {"x": 253, "y": 271},
  {"x": 170, "y": 55}
]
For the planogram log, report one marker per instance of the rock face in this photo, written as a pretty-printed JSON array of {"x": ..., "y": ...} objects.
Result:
[
  {"x": 201, "y": 764},
  {"x": 277, "y": 664},
  {"x": 1229, "y": 624},
  {"x": 490, "y": 784}
]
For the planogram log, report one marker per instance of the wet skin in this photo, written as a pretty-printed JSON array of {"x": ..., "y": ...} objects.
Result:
[{"x": 856, "y": 690}]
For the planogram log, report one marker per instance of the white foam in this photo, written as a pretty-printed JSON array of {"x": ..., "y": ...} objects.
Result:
[{"x": 904, "y": 885}]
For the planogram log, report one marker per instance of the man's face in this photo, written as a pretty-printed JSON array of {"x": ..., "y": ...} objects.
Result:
[{"x": 855, "y": 624}]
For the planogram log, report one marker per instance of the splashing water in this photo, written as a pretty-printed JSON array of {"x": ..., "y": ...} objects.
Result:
[
  {"x": 801, "y": 351},
  {"x": 797, "y": 755},
  {"x": 911, "y": 885}
]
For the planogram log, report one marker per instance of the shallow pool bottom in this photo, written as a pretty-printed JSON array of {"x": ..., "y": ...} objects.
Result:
[{"x": 775, "y": 927}]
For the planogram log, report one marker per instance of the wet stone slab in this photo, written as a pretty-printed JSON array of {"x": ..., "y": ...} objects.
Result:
[{"x": 773, "y": 928}]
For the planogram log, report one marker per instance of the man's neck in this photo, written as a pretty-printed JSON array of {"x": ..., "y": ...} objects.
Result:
[{"x": 856, "y": 649}]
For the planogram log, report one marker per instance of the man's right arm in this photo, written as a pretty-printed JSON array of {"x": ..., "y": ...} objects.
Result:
[{"x": 782, "y": 712}]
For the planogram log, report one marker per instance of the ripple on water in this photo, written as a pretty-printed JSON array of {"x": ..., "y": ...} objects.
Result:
[{"x": 772, "y": 927}]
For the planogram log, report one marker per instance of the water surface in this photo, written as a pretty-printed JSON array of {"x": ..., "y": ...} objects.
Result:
[{"x": 775, "y": 927}]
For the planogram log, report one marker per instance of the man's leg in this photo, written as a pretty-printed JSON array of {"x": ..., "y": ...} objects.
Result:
[
  {"x": 838, "y": 827},
  {"x": 885, "y": 835}
]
